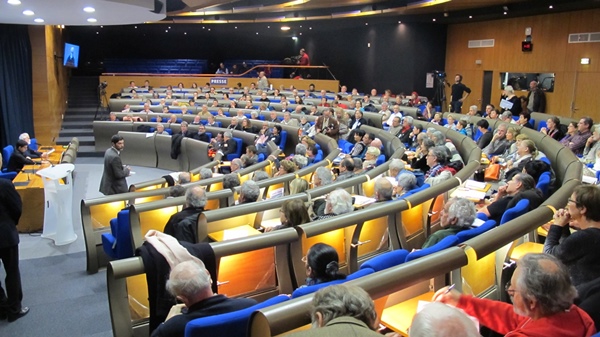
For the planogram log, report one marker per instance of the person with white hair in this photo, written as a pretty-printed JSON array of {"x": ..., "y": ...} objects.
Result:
[
  {"x": 205, "y": 173},
  {"x": 31, "y": 153},
  {"x": 457, "y": 215},
  {"x": 441, "y": 320},
  {"x": 190, "y": 283},
  {"x": 542, "y": 297},
  {"x": 336, "y": 203},
  {"x": 512, "y": 100},
  {"x": 229, "y": 145}
]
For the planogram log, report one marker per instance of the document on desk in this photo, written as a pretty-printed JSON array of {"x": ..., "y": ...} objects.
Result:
[
  {"x": 360, "y": 200},
  {"x": 51, "y": 151},
  {"x": 469, "y": 194},
  {"x": 477, "y": 185}
]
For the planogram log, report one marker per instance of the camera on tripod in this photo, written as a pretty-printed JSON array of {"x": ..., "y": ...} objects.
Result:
[
  {"x": 440, "y": 74},
  {"x": 102, "y": 87}
]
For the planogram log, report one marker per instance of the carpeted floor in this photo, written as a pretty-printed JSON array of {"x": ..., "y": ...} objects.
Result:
[{"x": 64, "y": 300}]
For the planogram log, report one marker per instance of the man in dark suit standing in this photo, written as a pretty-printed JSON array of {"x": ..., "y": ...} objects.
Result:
[
  {"x": 113, "y": 178},
  {"x": 327, "y": 124},
  {"x": 10, "y": 212}
]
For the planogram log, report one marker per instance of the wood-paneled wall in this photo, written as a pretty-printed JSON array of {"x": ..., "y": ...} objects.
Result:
[
  {"x": 575, "y": 84},
  {"x": 50, "y": 80}
]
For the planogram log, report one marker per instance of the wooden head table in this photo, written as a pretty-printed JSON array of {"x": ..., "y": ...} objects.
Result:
[{"x": 30, "y": 187}]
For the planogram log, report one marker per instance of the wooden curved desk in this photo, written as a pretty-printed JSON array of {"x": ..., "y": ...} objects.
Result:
[{"x": 31, "y": 189}]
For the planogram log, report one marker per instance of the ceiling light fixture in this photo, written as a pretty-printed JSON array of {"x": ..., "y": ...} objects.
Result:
[
  {"x": 14, "y": 2},
  {"x": 470, "y": 16},
  {"x": 28, "y": 12},
  {"x": 39, "y": 20},
  {"x": 433, "y": 20},
  {"x": 92, "y": 20},
  {"x": 285, "y": 28},
  {"x": 551, "y": 7},
  {"x": 89, "y": 9}
]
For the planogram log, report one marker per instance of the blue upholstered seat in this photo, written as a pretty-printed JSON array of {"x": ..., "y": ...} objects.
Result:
[
  {"x": 118, "y": 243},
  {"x": 386, "y": 260},
  {"x": 512, "y": 213},
  {"x": 283, "y": 140},
  {"x": 238, "y": 150},
  {"x": 544, "y": 183},
  {"x": 471, "y": 233},
  {"x": 311, "y": 289},
  {"x": 446, "y": 242},
  {"x": 232, "y": 324}
]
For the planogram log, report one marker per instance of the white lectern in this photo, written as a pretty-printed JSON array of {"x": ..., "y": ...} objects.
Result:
[{"x": 58, "y": 217}]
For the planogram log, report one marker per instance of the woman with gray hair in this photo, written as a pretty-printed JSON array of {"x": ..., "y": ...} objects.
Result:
[
  {"x": 336, "y": 203},
  {"x": 406, "y": 183},
  {"x": 457, "y": 215},
  {"x": 342, "y": 310}
]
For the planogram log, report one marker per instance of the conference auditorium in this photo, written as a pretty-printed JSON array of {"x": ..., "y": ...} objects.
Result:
[{"x": 243, "y": 168}]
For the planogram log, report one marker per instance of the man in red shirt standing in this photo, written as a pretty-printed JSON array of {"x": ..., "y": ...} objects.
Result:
[{"x": 304, "y": 61}]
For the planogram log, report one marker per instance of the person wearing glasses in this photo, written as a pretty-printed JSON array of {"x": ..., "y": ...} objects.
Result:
[
  {"x": 542, "y": 296},
  {"x": 579, "y": 251}
]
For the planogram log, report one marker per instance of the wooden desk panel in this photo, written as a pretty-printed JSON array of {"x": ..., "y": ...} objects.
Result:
[
  {"x": 399, "y": 317},
  {"x": 30, "y": 187}
]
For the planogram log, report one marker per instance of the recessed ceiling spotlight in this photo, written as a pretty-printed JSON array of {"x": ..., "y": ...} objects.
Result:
[
  {"x": 28, "y": 12},
  {"x": 89, "y": 9},
  {"x": 433, "y": 20},
  {"x": 39, "y": 20},
  {"x": 92, "y": 20},
  {"x": 284, "y": 28},
  {"x": 14, "y": 2},
  {"x": 256, "y": 33},
  {"x": 267, "y": 27},
  {"x": 399, "y": 21},
  {"x": 300, "y": 26},
  {"x": 310, "y": 28},
  {"x": 551, "y": 7},
  {"x": 300, "y": 34},
  {"x": 166, "y": 30},
  {"x": 169, "y": 27},
  {"x": 366, "y": 23},
  {"x": 505, "y": 13},
  {"x": 235, "y": 27},
  {"x": 209, "y": 29},
  {"x": 184, "y": 33},
  {"x": 97, "y": 33},
  {"x": 470, "y": 16},
  {"x": 135, "y": 27}
]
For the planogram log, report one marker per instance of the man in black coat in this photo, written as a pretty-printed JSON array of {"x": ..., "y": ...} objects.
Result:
[
  {"x": 18, "y": 159},
  {"x": 229, "y": 144},
  {"x": 10, "y": 212},
  {"x": 190, "y": 283}
]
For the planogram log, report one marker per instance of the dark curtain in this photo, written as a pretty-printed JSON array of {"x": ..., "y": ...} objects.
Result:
[{"x": 16, "y": 98}]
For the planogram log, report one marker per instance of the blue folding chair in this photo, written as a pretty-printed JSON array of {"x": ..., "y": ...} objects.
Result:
[
  {"x": 311, "y": 289},
  {"x": 473, "y": 232},
  {"x": 386, "y": 260}
]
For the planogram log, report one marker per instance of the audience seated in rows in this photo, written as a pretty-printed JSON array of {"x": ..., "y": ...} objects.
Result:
[
  {"x": 576, "y": 139},
  {"x": 249, "y": 192},
  {"x": 292, "y": 213}
]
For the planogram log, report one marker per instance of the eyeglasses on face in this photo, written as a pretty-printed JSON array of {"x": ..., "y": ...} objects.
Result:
[{"x": 510, "y": 292}]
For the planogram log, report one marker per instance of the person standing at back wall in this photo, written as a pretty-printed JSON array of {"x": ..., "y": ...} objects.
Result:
[{"x": 458, "y": 90}]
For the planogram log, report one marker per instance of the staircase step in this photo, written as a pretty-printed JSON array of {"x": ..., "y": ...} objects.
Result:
[
  {"x": 76, "y": 132},
  {"x": 74, "y": 118},
  {"x": 80, "y": 111},
  {"x": 83, "y": 140},
  {"x": 76, "y": 124},
  {"x": 89, "y": 151}
]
